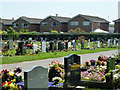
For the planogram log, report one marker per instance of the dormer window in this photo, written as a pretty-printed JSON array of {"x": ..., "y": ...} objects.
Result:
[
  {"x": 16, "y": 25},
  {"x": 25, "y": 25},
  {"x": 54, "y": 24}
]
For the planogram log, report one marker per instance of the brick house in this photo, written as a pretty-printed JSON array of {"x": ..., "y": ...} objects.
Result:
[
  {"x": 5, "y": 24},
  {"x": 54, "y": 23},
  {"x": 88, "y": 23},
  {"x": 32, "y": 24},
  {"x": 117, "y": 26}
]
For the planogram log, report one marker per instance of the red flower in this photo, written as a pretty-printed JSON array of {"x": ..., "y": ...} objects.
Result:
[
  {"x": 31, "y": 45},
  {"x": 9, "y": 82},
  {"x": 3, "y": 83},
  {"x": 28, "y": 45},
  {"x": 104, "y": 59}
]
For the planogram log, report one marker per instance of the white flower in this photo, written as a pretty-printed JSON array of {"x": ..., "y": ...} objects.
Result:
[
  {"x": 115, "y": 77},
  {"x": 57, "y": 78}
]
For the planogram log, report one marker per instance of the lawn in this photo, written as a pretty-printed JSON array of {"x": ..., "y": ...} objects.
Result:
[{"x": 40, "y": 56}]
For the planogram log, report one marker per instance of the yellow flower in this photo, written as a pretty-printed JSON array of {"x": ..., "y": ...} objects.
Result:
[
  {"x": 14, "y": 80},
  {"x": 11, "y": 74},
  {"x": 12, "y": 85}
]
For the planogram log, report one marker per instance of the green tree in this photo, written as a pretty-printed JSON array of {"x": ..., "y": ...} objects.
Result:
[
  {"x": 77, "y": 30},
  {"x": 12, "y": 34},
  {"x": 23, "y": 31}
]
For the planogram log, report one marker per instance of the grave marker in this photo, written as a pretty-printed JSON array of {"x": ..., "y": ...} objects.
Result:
[
  {"x": 108, "y": 42},
  {"x": 72, "y": 77},
  {"x": 88, "y": 44},
  {"x": 43, "y": 46},
  {"x": 74, "y": 44},
  {"x": 98, "y": 44},
  {"x": 69, "y": 45},
  {"x": 36, "y": 78},
  {"x": 35, "y": 46}
]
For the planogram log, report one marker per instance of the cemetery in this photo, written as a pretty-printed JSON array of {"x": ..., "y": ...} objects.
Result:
[
  {"x": 31, "y": 49},
  {"x": 103, "y": 73}
]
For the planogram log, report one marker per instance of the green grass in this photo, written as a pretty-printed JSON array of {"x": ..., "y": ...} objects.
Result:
[{"x": 17, "y": 59}]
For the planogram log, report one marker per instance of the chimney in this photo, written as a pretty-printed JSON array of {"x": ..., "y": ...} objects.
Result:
[{"x": 56, "y": 15}]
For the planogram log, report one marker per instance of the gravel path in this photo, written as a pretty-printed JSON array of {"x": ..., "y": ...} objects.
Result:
[{"x": 45, "y": 63}]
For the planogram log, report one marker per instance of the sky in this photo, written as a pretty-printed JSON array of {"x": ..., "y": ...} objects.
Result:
[{"x": 107, "y": 9}]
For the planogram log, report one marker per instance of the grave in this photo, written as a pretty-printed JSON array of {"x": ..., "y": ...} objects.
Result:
[
  {"x": 51, "y": 46},
  {"x": 69, "y": 45},
  {"x": 72, "y": 77},
  {"x": 36, "y": 78},
  {"x": 43, "y": 46},
  {"x": 108, "y": 42},
  {"x": 35, "y": 47},
  {"x": 74, "y": 44},
  {"x": 98, "y": 44},
  {"x": 10, "y": 44},
  {"x": 114, "y": 41},
  {"x": 66, "y": 45},
  {"x": 59, "y": 45},
  {"x": 88, "y": 44}
]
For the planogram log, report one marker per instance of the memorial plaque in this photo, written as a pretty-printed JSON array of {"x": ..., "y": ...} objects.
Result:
[{"x": 36, "y": 78}]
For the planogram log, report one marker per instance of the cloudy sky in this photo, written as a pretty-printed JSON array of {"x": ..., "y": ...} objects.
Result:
[{"x": 107, "y": 9}]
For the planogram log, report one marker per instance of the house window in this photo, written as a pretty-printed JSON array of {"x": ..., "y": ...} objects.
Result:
[
  {"x": 54, "y": 24},
  {"x": 44, "y": 23},
  {"x": 16, "y": 25},
  {"x": 86, "y": 23},
  {"x": 98, "y": 25},
  {"x": 74, "y": 23},
  {"x": 24, "y": 25}
]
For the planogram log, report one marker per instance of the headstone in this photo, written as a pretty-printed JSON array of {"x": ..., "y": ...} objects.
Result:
[
  {"x": 74, "y": 44},
  {"x": 36, "y": 78},
  {"x": 35, "y": 46},
  {"x": 108, "y": 42},
  {"x": 66, "y": 45},
  {"x": 59, "y": 45},
  {"x": 88, "y": 44},
  {"x": 51, "y": 46},
  {"x": 82, "y": 45},
  {"x": 0, "y": 83},
  {"x": 69, "y": 45},
  {"x": 73, "y": 78},
  {"x": 10, "y": 44},
  {"x": 114, "y": 42},
  {"x": 98, "y": 44},
  {"x": 43, "y": 46}
]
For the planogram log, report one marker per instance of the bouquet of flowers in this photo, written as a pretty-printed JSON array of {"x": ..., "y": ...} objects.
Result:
[{"x": 10, "y": 78}]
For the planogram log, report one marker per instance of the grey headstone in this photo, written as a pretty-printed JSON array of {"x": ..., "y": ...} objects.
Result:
[
  {"x": 43, "y": 46},
  {"x": 36, "y": 78},
  {"x": 114, "y": 42},
  {"x": 10, "y": 44}
]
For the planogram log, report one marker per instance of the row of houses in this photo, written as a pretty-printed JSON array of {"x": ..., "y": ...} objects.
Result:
[{"x": 58, "y": 23}]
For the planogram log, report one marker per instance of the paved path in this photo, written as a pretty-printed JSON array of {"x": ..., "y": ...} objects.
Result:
[{"x": 45, "y": 63}]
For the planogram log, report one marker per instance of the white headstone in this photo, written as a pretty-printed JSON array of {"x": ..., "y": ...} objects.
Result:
[
  {"x": 35, "y": 46},
  {"x": 108, "y": 42},
  {"x": 98, "y": 44},
  {"x": 43, "y": 46},
  {"x": 74, "y": 44},
  {"x": 36, "y": 78},
  {"x": 88, "y": 44},
  {"x": 69, "y": 45},
  {"x": 114, "y": 42}
]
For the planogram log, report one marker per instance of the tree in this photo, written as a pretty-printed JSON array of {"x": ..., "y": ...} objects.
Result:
[
  {"x": 77, "y": 30},
  {"x": 12, "y": 34},
  {"x": 23, "y": 31}
]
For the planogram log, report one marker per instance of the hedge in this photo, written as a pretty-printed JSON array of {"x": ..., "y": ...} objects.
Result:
[{"x": 66, "y": 36}]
